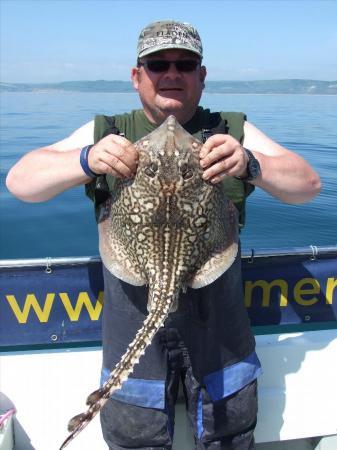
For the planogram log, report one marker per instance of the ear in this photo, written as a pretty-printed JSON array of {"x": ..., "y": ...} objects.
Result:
[
  {"x": 203, "y": 73},
  {"x": 135, "y": 77}
]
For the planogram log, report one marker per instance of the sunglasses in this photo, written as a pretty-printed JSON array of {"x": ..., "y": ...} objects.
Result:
[{"x": 162, "y": 65}]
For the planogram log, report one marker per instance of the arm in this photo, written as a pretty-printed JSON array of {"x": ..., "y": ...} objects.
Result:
[
  {"x": 46, "y": 172},
  {"x": 284, "y": 174}
]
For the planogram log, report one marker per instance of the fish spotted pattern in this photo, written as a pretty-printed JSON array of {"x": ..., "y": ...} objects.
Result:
[{"x": 166, "y": 228}]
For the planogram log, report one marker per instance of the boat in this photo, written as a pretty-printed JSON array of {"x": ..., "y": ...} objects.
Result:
[{"x": 50, "y": 348}]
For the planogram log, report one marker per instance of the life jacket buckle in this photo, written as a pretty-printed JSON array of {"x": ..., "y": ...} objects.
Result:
[{"x": 205, "y": 134}]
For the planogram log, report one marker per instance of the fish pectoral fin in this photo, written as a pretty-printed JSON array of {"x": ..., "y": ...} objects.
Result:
[
  {"x": 223, "y": 236},
  {"x": 124, "y": 270},
  {"x": 117, "y": 256},
  {"x": 214, "y": 267},
  {"x": 76, "y": 421}
]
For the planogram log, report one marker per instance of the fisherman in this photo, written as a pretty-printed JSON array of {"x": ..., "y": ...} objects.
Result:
[{"x": 207, "y": 344}]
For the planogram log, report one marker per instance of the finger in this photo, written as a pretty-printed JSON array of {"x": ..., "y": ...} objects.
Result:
[
  {"x": 106, "y": 169},
  {"x": 118, "y": 164},
  {"x": 117, "y": 145},
  {"x": 224, "y": 151},
  {"x": 127, "y": 159},
  {"x": 232, "y": 172},
  {"x": 218, "y": 177},
  {"x": 125, "y": 151},
  {"x": 117, "y": 139},
  {"x": 222, "y": 166},
  {"x": 128, "y": 155},
  {"x": 123, "y": 144},
  {"x": 213, "y": 141}
]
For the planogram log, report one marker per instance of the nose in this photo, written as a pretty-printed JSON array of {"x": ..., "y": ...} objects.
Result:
[{"x": 172, "y": 71}]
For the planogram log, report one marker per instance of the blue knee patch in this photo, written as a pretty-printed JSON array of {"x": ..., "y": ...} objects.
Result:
[
  {"x": 227, "y": 381},
  {"x": 139, "y": 392}
]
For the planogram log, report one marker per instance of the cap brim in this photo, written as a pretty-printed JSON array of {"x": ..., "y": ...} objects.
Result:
[{"x": 163, "y": 47}]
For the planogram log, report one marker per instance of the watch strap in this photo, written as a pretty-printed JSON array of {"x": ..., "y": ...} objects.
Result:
[
  {"x": 84, "y": 161},
  {"x": 253, "y": 167}
]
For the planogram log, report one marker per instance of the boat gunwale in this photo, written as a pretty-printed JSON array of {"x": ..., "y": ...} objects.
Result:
[{"x": 312, "y": 251}]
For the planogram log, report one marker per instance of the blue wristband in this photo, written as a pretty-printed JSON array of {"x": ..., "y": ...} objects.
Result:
[{"x": 84, "y": 161}]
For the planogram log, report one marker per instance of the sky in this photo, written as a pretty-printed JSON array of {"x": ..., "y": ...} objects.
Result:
[{"x": 61, "y": 40}]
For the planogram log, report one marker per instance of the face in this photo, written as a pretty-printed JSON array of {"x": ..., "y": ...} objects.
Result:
[{"x": 169, "y": 92}]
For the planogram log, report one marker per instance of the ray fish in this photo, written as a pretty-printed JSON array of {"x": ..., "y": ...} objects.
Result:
[{"x": 166, "y": 228}]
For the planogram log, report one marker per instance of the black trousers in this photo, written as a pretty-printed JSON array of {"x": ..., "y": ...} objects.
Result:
[
  {"x": 227, "y": 424},
  {"x": 209, "y": 331}
]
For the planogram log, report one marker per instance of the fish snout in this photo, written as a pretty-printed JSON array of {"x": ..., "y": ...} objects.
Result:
[{"x": 168, "y": 188}]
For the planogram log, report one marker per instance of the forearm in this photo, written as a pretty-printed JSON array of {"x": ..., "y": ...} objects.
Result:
[
  {"x": 287, "y": 177},
  {"x": 44, "y": 173}
]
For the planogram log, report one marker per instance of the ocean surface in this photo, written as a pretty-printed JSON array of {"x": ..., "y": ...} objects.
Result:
[{"x": 65, "y": 226}]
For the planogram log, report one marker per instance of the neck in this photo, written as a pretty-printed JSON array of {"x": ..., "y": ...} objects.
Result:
[{"x": 158, "y": 118}]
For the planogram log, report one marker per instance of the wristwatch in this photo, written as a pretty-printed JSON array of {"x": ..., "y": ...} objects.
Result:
[{"x": 253, "y": 167}]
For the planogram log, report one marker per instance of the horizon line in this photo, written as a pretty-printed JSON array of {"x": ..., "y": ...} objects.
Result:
[{"x": 207, "y": 81}]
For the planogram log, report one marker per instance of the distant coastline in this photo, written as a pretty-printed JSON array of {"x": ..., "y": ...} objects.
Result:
[{"x": 290, "y": 86}]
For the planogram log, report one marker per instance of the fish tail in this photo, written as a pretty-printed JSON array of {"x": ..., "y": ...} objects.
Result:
[{"x": 97, "y": 399}]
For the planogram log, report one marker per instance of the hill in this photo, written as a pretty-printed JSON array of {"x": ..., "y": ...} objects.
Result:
[{"x": 295, "y": 86}]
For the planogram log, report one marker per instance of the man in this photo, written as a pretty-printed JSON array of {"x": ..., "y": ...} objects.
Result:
[{"x": 207, "y": 343}]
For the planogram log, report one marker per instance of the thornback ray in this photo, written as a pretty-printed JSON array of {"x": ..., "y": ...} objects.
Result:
[{"x": 166, "y": 228}]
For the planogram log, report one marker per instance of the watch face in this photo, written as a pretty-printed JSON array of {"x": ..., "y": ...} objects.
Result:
[{"x": 254, "y": 168}]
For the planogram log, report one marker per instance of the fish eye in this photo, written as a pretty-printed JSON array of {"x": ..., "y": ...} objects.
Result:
[
  {"x": 151, "y": 170},
  {"x": 186, "y": 172}
]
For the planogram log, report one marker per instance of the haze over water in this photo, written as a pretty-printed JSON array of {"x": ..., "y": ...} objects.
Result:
[{"x": 65, "y": 226}]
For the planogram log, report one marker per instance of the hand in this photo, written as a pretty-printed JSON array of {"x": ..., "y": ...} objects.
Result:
[
  {"x": 114, "y": 155},
  {"x": 221, "y": 156}
]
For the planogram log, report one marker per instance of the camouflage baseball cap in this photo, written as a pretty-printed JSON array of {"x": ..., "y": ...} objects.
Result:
[{"x": 167, "y": 34}]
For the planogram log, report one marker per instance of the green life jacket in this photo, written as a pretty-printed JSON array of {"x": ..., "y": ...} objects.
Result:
[{"x": 203, "y": 124}]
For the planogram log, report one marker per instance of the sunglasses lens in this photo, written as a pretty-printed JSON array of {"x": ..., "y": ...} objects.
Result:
[
  {"x": 187, "y": 65},
  {"x": 158, "y": 66},
  {"x": 184, "y": 65}
]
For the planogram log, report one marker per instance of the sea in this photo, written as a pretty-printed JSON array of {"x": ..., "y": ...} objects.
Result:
[{"x": 65, "y": 226}]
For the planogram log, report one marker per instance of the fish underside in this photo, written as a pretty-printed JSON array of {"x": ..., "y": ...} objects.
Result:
[{"x": 166, "y": 228}]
